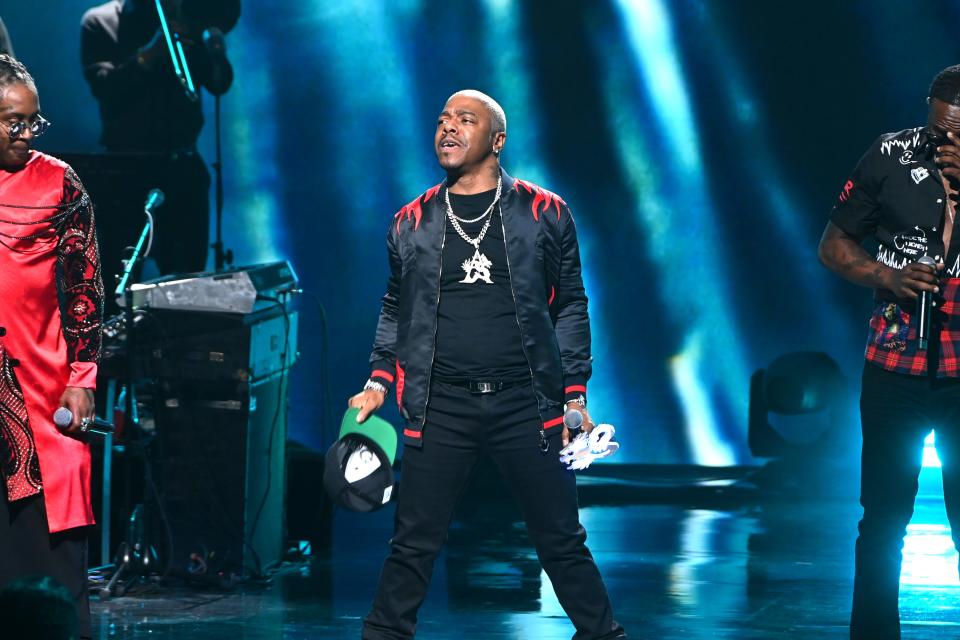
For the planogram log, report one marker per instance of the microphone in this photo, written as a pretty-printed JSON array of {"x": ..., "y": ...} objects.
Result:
[
  {"x": 573, "y": 421},
  {"x": 924, "y": 308},
  {"x": 154, "y": 199},
  {"x": 62, "y": 417},
  {"x": 221, "y": 73},
  {"x": 215, "y": 43}
]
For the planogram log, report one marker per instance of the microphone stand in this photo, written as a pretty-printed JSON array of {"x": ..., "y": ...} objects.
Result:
[
  {"x": 221, "y": 257},
  {"x": 125, "y": 289},
  {"x": 135, "y": 552}
]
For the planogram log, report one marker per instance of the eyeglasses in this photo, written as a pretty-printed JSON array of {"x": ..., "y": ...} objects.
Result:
[{"x": 37, "y": 127}]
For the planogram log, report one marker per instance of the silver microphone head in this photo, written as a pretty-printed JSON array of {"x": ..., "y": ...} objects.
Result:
[
  {"x": 927, "y": 261},
  {"x": 62, "y": 417},
  {"x": 573, "y": 419},
  {"x": 154, "y": 199}
]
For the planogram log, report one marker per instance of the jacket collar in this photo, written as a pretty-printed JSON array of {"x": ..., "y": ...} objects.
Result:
[
  {"x": 508, "y": 181},
  {"x": 507, "y": 193},
  {"x": 507, "y": 184}
]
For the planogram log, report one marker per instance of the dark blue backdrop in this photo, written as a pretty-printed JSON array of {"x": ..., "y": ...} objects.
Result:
[{"x": 700, "y": 143}]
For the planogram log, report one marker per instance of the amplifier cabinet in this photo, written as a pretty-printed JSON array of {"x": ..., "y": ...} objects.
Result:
[{"x": 221, "y": 431}]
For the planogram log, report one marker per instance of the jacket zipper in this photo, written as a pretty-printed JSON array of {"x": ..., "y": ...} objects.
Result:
[
  {"x": 544, "y": 445},
  {"x": 436, "y": 311}
]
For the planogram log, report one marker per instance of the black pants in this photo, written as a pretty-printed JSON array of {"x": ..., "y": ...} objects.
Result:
[
  {"x": 459, "y": 428},
  {"x": 28, "y": 549},
  {"x": 897, "y": 412}
]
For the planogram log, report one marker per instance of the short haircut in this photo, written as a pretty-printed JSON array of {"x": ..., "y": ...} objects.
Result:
[
  {"x": 497, "y": 115},
  {"x": 946, "y": 85},
  {"x": 13, "y": 72}
]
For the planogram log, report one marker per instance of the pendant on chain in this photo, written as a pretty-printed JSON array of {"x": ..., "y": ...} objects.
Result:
[{"x": 477, "y": 268}]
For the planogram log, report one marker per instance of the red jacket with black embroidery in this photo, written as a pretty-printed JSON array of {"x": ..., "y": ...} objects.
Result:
[
  {"x": 545, "y": 275},
  {"x": 51, "y": 301}
]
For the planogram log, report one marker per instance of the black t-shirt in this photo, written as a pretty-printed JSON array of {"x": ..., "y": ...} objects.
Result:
[{"x": 478, "y": 336}]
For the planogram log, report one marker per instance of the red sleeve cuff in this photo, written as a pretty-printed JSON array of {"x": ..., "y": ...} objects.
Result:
[
  {"x": 574, "y": 392},
  {"x": 83, "y": 375},
  {"x": 383, "y": 374}
]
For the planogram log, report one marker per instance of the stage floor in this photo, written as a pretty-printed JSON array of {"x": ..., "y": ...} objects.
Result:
[{"x": 760, "y": 569}]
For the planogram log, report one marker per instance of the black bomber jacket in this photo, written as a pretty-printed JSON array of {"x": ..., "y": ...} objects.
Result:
[{"x": 543, "y": 259}]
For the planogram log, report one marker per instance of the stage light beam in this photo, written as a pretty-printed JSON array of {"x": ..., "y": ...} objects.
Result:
[{"x": 681, "y": 227}]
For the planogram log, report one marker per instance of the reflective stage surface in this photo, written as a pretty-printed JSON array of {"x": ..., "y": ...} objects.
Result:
[{"x": 721, "y": 567}]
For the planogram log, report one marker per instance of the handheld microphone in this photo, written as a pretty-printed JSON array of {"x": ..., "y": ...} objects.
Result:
[
  {"x": 924, "y": 308},
  {"x": 154, "y": 199},
  {"x": 62, "y": 417},
  {"x": 573, "y": 421}
]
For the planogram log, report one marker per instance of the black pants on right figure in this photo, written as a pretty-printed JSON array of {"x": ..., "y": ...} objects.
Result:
[{"x": 897, "y": 412}]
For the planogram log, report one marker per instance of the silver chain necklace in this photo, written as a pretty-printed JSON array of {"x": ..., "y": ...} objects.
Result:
[
  {"x": 472, "y": 220},
  {"x": 479, "y": 217},
  {"x": 478, "y": 267}
]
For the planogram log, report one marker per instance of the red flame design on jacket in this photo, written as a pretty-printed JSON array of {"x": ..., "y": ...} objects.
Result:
[
  {"x": 541, "y": 196},
  {"x": 415, "y": 209}
]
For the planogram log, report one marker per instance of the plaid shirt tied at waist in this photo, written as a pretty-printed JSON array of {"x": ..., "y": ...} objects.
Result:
[{"x": 892, "y": 339}]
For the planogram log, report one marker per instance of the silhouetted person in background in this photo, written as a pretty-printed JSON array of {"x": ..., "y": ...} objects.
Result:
[{"x": 145, "y": 110}]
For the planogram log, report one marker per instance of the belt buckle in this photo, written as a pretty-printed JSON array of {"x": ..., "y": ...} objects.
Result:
[{"x": 483, "y": 387}]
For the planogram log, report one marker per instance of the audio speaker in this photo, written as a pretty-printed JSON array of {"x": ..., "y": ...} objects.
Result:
[{"x": 220, "y": 448}]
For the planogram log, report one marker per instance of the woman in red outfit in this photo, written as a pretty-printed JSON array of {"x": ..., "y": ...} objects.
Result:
[{"x": 51, "y": 297}]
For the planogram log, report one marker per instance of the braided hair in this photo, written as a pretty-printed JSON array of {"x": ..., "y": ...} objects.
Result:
[
  {"x": 13, "y": 72},
  {"x": 946, "y": 85}
]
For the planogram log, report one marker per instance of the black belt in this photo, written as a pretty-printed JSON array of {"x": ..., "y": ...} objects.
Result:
[{"x": 483, "y": 386}]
